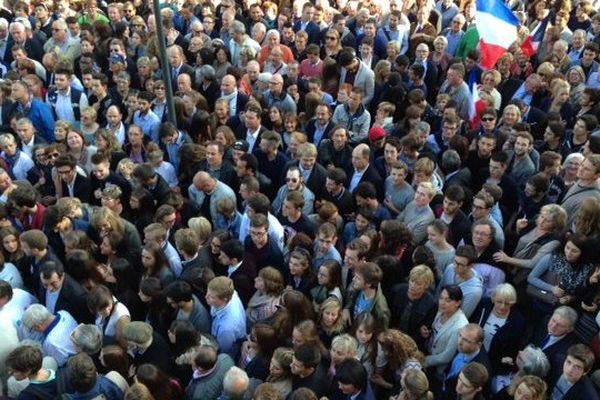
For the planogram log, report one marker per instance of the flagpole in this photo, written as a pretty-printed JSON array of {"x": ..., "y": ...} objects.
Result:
[{"x": 162, "y": 45}]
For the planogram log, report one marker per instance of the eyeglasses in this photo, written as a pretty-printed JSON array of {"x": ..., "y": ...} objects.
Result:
[
  {"x": 138, "y": 25},
  {"x": 258, "y": 234},
  {"x": 476, "y": 207},
  {"x": 64, "y": 172},
  {"x": 488, "y": 119}
]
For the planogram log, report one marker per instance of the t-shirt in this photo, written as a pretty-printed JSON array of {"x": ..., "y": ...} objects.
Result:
[{"x": 492, "y": 325}]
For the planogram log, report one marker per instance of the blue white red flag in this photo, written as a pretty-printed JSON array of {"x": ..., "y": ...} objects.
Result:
[{"x": 497, "y": 27}]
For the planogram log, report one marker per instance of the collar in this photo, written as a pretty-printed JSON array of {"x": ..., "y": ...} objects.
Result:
[{"x": 52, "y": 325}]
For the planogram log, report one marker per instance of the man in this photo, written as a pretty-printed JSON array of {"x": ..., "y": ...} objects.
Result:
[
  {"x": 393, "y": 31},
  {"x": 25, "y": 200},
  {"x": 557, "y": 338},
  {"x": 54, "y": 329},
  {"x": 454, "y": 33},
  {"x": 145, "y": 118},
  {"x": 497, "y": 174},
  {"x": 247, "y": 166},
  {"x": 417, "y": 215},
  {"x": 28, "y": 138},
  {"x": 470, "y": 349},
  {"x": 587, "y": 186},
  {"x": 206, "y": 192},
  {"x": 574, "y": 382},
  {"x": 293, "y": 219},
  {"x": 588, "y": 60},
  {"x": 60, "y": 291},
  {"x": 355, "y": 73},
  {"x": 306, "y": 24},
  {"x": 237, "y": 100},
  {"x": 217, "y": 166},
  {"x": 577, "y": 45},
  {"x": 294, "y": 182},
  {"x": 65, "y": 101},
  {"x": 258, "y": 203},
  {"x": 35, "y": 109},
  {"x": 264, "y": 248},
  {"x": 145, "y": 345},
  {"x": 336, "y": 192},
  {"x": 559, "y": 52},
  {"x": 320, "y": 126},
  {"x": 458, "y": 223},
  {"x": 157, "y": 233},
  {"x": 273, "y": 40},
  {"x": 180, "y": 296},
  {"x": 363, "y": 170},
  {"x": 336, "y": 152},
  {"x": 177, "y": 66},
  {"x": 314, "y": 174},
  {"x": 73, "y": 183},
  {"x": 440, "y": 141},
  {"x": 235, "y": 382},
  {"x": 354, "y": 116},
  {"x": 239, "y": 40},
  {"x": 150, "y": 180},
  {"x": 277, "y": 96},
  {"x": 209, "y": 373},
  {"x": 454, "y": 173},
  {"x": 324, "y": 246},
  {"x": 448, "y": 9},
  {"x": 240, "y": 269},
  {"x": 462, "y": 273},
  {"x": 365, "y": 196},
  {"x": 521, "y": 166},
  {"x": 307, "y": 371},
  {"x": 18, "y": 36},
  {"x": 482, "y": 209},
  {"x": 456, "y": 87},
  {"x": 61, "y": 43},
  {"x": 87, "y": 383},
  {"x": 249, "y": 82},
  {"x": 430, "y": 77}
]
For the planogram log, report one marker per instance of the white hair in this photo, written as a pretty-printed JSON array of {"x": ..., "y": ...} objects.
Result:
[
  {"x": 235, "y": 380},
  {"x": 36, "y": 314},
  {"x": 3, "y": 23}
]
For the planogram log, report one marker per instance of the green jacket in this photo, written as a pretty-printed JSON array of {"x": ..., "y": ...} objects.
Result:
[
  {"x": 469, "y": 41},
  {"x": 379, "y": 307}
]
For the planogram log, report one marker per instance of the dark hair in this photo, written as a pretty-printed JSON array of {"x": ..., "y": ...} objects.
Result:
[
  {"x": 179, "y": 291},
  {"x": 309, "y": 355},
  {"x": 366, "y": 190},
  {"x": 50, "y": 267},
  {"x": 155, "y": 380},
  {"x": 25, "y": 359},
  {"x": 454, "y": 292},
  {"x": 233, "y": 249},
  {"x": 468, "y": 252},
  {"x": 352, "y": 372},
  {"x": 82, "y": 372},
  {"x": 186, "y": 335}
]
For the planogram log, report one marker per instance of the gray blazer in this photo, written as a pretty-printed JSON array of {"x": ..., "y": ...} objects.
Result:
[
  {"x": 221, "y": 191},
  {"x": 365, "y": 79}
]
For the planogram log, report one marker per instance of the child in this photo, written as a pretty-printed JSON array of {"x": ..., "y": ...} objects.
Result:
[
  {"x": 329, "y": 279},
  {"x": 365, "y": 332},
  {"x": 367, "y": 295}
]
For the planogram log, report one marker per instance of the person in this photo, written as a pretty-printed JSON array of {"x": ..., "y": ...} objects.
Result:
[
  {"x": 209, "y": 370},
  {"x": 229, "y": 317},
  {"x": 111, "y": 315},
  {"x": 85, "y": 381},
  {"x": 574, "y": 383},
  {"x": 147, "y": 346},
  {"x": 415, "y": 386},
  {"x": 366, "y": 295},
  {"x": 26, "y": 363},
  {"x": 531, "y": 387},
  {"x": 418, "y": 214},
  {"x": 179, "y": 296},
  {"x": 352, "y": 380},
  {"x": 269, "y": 285},
  {"x": 471, "y": 382},
  {"x": 307, "y": 371}
]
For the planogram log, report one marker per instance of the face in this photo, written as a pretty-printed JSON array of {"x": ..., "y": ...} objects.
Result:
[
  {"x": 358, "y": 282},
  {"x": 587, "y": 171},
  {"x": 54, "y": 283},
  {"x": 339, "y": 139},
  {"x": 10, "y": 243},
  {"x": 446, "y": 304},
  {"x": 559, "y": 326},
  {"x": 148, "y": 259},
  {"x": 213, "y": 300},
  {"x": 259, "y": 236},
  {"x": 572, "y": 252},
  {"x": 521, "y": 146},
  {"x": 330, "y": 316},
  {"x": 293, "y": 180},
  {"x": 359, "y": 161},
  {"x": 296, "y": 267},
  {"x": 496, "y": 169},
  {"x": 416, "y": 288},
  {"x": 275, "y": 368},
  {"x": 351, "y": 258},
  {"x": 464, "y": 387},
  {"x": 422, "y": 197},
  {"x": 573, "y": 369}
]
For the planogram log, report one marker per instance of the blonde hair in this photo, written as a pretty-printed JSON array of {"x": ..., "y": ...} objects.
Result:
[
  {"x": 202, "y": 227},
  {"x": 346, "y": 344},
  {"x": 222, "y": 287}
]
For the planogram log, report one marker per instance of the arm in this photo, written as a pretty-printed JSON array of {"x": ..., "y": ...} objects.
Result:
[
  {"x": 446, "y": 355},
  {"x": 541, "y": 267}
]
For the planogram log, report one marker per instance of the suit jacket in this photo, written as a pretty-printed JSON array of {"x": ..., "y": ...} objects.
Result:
[
  {"x": 537, "y": 120},
  {"x": 556, "y": 353},
  {"x": 450, "y": 383},
  {"x": 316, "y": 179},
  {"x": 583, "y": 389},
  {"x": 431, "y": 81},
  {"x": 243, "y": 279},
  {"x": 241, "y": 132},
  {"x": 8, "y": 109},
  {"x": 462, "y": 177},
  {"x": 370, "y": 175},
  {"x": 507, "y": 89},
  {"x": 364, "y": 79},
  {"x": 184, "y": 69},
  {"x": 82, "y": 189},
  {"x": 72, "y": 298},
  {"x": 227, "y": 173},
  {"x": 240, "y": 102},
  {"x": 311, "y": 127},
  {"x": 312, "y": 29},
  {"x": 34, "y": 48}
]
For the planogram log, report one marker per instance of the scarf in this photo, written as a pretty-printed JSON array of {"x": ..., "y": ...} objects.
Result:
[{"x": 572, "y": 278}]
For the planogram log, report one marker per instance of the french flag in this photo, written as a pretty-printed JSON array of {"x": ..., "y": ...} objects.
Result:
[
  {"x": 532, "y": 43},
  {"x": 497, "y": 27}
]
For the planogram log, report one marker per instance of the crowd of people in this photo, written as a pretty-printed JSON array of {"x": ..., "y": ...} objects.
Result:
[{"x": 327, "y": 212}]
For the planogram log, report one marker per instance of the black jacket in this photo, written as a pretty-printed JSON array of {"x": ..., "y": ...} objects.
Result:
[
  {"x": 72, "y": 298},
  {"x": 316, "y": 179}
]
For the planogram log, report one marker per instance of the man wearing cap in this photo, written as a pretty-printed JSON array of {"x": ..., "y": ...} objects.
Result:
[
  {"x": 376, "y": 141},
  {"x": 61, "y": 43},
  {"x": 356, "y": 74}
]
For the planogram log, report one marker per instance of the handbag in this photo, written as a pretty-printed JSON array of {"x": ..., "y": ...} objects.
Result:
[{"x": 543, "y": 295}]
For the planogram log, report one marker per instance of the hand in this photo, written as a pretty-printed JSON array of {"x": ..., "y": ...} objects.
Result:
[
  {"x": 591, "y": 308},
  {"x": 522, "y": 223},
  {"x": 557, "y": 291},
  {"x": 425, "y": 332},
  {"x": 500, "y": 256},
  {"x": 507, "y": 361},
  {"x": 565, "y": 299},
  {"x": 378, "y": 380},
  {"x": 595, "y": 277}
]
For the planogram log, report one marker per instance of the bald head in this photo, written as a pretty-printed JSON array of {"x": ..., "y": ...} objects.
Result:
[
  {"x": 228, "y": 85},
  {"x": 204, "y": 182}
]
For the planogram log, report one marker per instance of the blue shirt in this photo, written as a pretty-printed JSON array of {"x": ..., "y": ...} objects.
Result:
[
  {"x": 229, "y": 325},
  {"x": 150, "y": 123}
]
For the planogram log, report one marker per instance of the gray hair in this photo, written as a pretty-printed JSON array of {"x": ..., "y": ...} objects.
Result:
[
  {"x": 235, "y": 379},
  {"x": 422, "y": 126},
  {"x": 450, "y": 161},
  {"x": 3, "y": 23},
  {"x": 238, "y": 27},
  {"x": 207, "y": 72},
  {"x": 6, "y": 139},
  {"x": 535, "y": 361},
  {"x": 89, "y": 338},
  {"x": 506, "y": 291},
  {"x": 17, "y": 24},
  {"x": 273, "y": 32},
  {"x": 567, "y": 313},
  {"x": 36, "y": 314},
  {"x": 25, "y": 21}
]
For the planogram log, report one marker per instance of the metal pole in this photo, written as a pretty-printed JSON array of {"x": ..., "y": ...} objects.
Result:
[{"x": 164, "y": 62}]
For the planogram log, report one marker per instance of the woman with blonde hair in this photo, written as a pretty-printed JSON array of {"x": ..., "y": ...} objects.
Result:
[
  {"x": 530, "y": 388},
  {"x": 280, "y": 373},
  {"x": 138, "y": 391},
  {"x": 577, "y": 79},
  {"x": 587, "y": 219},
  {"x": 105, "y": 221},
  {"x": 415, "y": 386},
  {"x": 382, "y": 71},
  {"x": 305, "y": 332},
  {"x": 88, "y": 125},
  {"x": 107, "y": 141},
  {"x": 331, "y": 323},
  {"x": 220, "y": 117},
  {"x": 489, "y": 82},
  {"x": 333, "y": 44},
  {"x": 77, "y": 146},
  {"x": 559, "y": 101}
]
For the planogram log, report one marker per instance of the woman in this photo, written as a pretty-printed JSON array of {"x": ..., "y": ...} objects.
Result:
[
  {"x": 489, "y": 82},
  {"x": 415, "y": 386},
  {"x": 105, "y": 221},
  {"x": 280, "y": 373},
  {"x": 530, "y": 388},
  {"x": 343, "y": 348},
  {"x": 535, "y": 242},
  {"x": 222, "y": 62},
  {"x": 184, "y": 339},
  {"x": 576, "y": 78},
  {"x": 301, "y": 275},
  {"x": 502, "y": 325},
  {"x": 226, "y": 137},
  {"x": 89, "y": 126},
  {"x": 414, "y": 305},
  {"x": 111, "y": 315},
  {"x": 12, "y": 252},
  {"x": 155, "y": 264},
  {"x": 395, "y": 239},
  {"x": 220, "y": 117},
  {"x": 510, "y": 116},
  {"x": 107, "y": 141},
  {"x": 142, "y": 209},
  {"x": 331, "y": 323},
  {"x": 440, "y": 57},
  {"x": 399, "y": 353},
  {"x": 333, "y": 45},
  {"x": 138, "y": 391},
  {"x": 305, "y": 332},
  {"x": 78, "y": 148},
  {"x": 144, "y": 75},
  {"x": 437, "y": 233},
  {"x": 571, "y": 269},
  {"x": 115, "y": 358},
  {"x": 382, "y": 71},
  {"x": 269, "y": 285},
  {"x": 295, "y": 308},
  {"x": 587, "y": 219},
  {"x": 275, "y": 121},
  {"x": 159, "y": 384},
  {"x": 443, "y": 334},
  {"x": 529, "y": 361},
  {"x": 393, "y": 51},
  {"x": 135, "y": 148},
  {"x": 258, "y": 351},
  {"x": 570, "y": 168},
  {"x": 559, "y": 101},
  {"x": 136, "y": 48},
  {"x": 471, "y": 381},
  {"x": 329, "y": 279},
  {"x": 158, "y": 313}
]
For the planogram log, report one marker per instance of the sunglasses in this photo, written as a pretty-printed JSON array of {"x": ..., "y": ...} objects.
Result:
[
  {"x": 293, "y": 180},
  {"x": 488, "y": 119}
]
